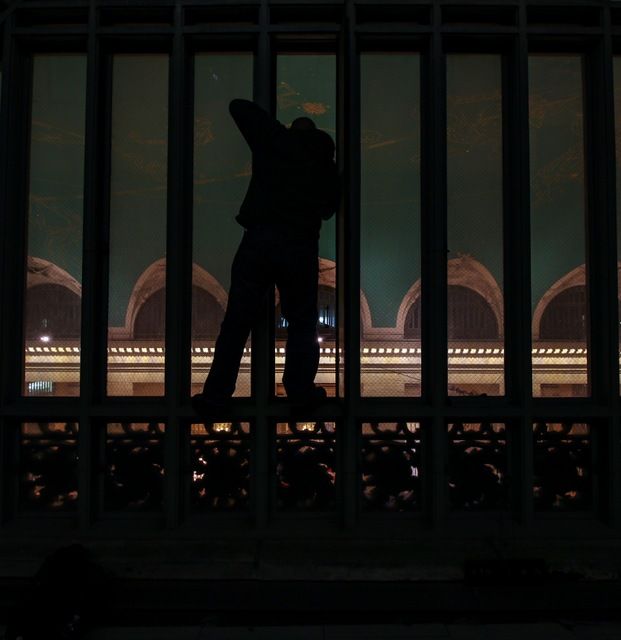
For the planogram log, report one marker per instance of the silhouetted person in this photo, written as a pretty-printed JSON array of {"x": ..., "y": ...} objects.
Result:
[{"x": 294, "y": 186}]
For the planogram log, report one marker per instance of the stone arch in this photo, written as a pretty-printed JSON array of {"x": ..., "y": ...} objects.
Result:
[
  {"x": 464, "y": 271},
  {"x": 153, "y": 279},
  {"x": 40, "y": 271},
  {"x": 575, "y": 278}
]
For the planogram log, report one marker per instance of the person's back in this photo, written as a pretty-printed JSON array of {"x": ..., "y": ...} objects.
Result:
[{"x": 294, "y": 178}]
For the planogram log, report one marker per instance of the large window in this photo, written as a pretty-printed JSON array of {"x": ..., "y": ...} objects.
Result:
[
  {"x": 138, "y": 188},
  {"x": 55, "y": 215},
  {"x": 222, "y": 165},
  {"x": 558, "y": 209},
  {"x": 477, "y": 179},
  {"x": 475, "y": 314},
  {"x": 390, "y": 220}
]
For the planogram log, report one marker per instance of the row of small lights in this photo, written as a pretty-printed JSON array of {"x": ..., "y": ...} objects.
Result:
[{"x": 365, "y": 350}]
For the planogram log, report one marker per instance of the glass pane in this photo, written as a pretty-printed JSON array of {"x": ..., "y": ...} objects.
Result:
[
  {"x": 307, "y": 88},
  {"x": 474, "y": 197},
  {"x": 221, "y": 174},
  {"x": 557, "y": 200},
  {"x": 48, "y": 466},
  {"x": 138, "y": 188},
  {"x": 306, "y": 466},
  {"x": 563, "y": 467},
  {"x": 477, "y": 469},
  {"x": 220, "y": 465},
  {"x": 134, "y": 467},
  {"x": 390, "y": 216},
  {"x": 55, "y": 208},
  {"x": 390, "y": 466}
]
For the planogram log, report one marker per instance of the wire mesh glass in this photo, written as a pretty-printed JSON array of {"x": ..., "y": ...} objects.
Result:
[
  {"x": 390, "y": 466},
  {"x": 222, "y": 168},
  {"x": 220, "y": 466},
  {"x": 305, "y": 466},
  {"x": 557, "y": 202},
  {"x": 48, "y": 466},
  {"x": 52, "y": 309},
  {"x": 138, "y": 203},
  {"x": 390, "y": 218},
  {"x": 475, "y": 305}
]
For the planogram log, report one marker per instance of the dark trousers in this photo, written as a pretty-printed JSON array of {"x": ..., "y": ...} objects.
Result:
[{"x": 270, "y": 255}]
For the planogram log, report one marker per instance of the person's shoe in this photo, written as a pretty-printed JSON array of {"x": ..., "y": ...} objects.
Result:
[
  {"x": 207, "y": 407},
  {"x": 307, "y": 401}
]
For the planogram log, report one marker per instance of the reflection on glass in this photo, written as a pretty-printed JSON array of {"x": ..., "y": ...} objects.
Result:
[
  {"x": 306, "y": 466},
  {"x": 562, "y": 467},
  {"x": 557, "y": 201},
  {"x": 48, "y": 466},
  {"x": 55, "y": 210},
  {"x": 390, "y": 466},
  {"x": 221, "y": 173},
  {"x": 306, "y": 86},
  {"x": 474, "y": 197},
  {"x": 138, "y": 187},
  {"x": 134, "y": 467},
  {"x": 220, "y": 466},
  {"x": 390, "y": 224},
  {"x": 477, "y": 466}
]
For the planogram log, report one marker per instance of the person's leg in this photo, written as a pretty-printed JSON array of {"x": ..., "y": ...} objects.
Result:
[
  {"x": 296, "y": 280},
  {"x": 250, "y": 282}
]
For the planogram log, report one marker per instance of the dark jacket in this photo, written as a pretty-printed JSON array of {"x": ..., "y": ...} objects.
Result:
[{"x": 294, "y": 178}]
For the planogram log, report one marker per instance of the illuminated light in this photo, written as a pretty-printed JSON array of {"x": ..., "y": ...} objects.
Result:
[
  {"x": 306, "y": 426},
  {"x": 281, "y": 350},
  {"x": 373, "y": 350},
  {"x": 572, "y": 351},
  {"x": 381, "y": 350},
  {"x": 480, "y": 350},
  {"x": 319, "y": 339},
  {"x": 564, "y": 350},
  {"x": 45, "y": 338},
  {"x": 152, "y": 350},
  {"x": 222, "y": 427},
  {"x": 365, "y": 350},
  {"x": 411, "y": 350}
]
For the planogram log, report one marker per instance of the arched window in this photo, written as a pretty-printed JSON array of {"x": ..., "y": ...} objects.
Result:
[
  {"x": 565, "y": 316},
  {"x": 469, "y": 316},
  {"x": 326, "y": 307},
  {"x": 207, "y": 315},
  {"x": 52, "y": 312}
]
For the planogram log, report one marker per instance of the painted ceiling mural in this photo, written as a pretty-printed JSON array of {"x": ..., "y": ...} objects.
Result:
[{"x": 306, "y": 86}]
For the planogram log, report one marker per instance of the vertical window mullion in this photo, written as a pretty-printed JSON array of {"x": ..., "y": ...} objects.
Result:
[
  {"x": 93, "y": 321},
  {"x": 262, "y": 359},
  {"x": 518, "y": 340},
  {"x": 434, "y": 272},
  {"x": 348, "y": 268},
  {"x": 178, "y": 276}
]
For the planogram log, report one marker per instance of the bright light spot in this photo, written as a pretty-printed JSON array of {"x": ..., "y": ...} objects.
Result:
[
  {"x": 45, "y": 338},
  {"x": 319, "y": 339}
]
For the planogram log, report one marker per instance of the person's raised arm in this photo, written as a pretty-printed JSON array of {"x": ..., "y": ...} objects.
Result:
[{"x": 255, "y": 124}]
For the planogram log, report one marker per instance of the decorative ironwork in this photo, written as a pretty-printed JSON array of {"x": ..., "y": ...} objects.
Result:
[
  {"x": 220, "y": 466},
  {"x": 48, "y": 468},
  {"x": 390, "y": 466},
  {"x": 562, "y": 466},
  {"x": 134, "y": 466},
  {"x": 477, "y": 466},
  {"x": 305, "y": 465}
]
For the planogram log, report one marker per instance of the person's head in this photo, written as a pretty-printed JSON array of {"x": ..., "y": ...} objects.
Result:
[{"x": 303, "y": 124}]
